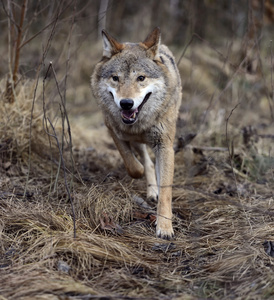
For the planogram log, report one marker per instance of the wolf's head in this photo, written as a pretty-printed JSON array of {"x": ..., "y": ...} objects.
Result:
[{"x": 130, "y": 79}]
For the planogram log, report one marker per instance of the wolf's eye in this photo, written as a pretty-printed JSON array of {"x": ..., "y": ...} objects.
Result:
[
  {"x": 141, "y": 78},
  {"x": 115, "y": 78}
]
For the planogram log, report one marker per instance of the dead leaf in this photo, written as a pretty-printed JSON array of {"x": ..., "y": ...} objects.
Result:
[
  {"x": 144, "y": 216},
  {"x": 108, "y": 224}
]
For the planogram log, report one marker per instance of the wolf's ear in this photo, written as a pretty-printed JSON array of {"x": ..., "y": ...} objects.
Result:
[
  {"x": 152, "y": 43},
  {"x": 110, "y": 45}
]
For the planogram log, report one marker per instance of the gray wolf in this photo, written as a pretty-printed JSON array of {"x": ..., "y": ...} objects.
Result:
[{"x": 138, "y": 88}]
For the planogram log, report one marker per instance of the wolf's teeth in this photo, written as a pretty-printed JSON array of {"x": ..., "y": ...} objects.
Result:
[{"x": 131, "y": 118}]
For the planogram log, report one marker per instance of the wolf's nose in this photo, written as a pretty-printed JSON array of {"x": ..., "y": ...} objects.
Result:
[{"x": 126, "y": 104}]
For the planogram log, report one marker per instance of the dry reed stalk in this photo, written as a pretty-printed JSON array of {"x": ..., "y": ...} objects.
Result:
[{"x": 13, "y": 80}]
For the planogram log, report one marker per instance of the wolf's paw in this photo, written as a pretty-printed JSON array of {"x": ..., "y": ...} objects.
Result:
[
  {"x": 164, "y": 229},
  {"x": 152, "y": 193}
]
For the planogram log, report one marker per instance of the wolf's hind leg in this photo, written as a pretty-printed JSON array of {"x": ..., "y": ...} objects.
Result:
[{"x": 152, "y": 188}]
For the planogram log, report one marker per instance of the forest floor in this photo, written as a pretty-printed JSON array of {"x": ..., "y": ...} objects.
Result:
[{"x": 223, "y": 201}]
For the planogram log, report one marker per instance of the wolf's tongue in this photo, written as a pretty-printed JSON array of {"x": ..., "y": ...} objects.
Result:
[{"x": 128, "y": 114}]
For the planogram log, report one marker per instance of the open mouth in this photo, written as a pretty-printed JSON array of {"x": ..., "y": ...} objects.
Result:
[{"x": 129, "y": 117}]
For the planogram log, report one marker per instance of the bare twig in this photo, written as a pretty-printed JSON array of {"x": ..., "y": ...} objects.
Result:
[
  {"x": 69, "y": 49},
  {"x": 266, "y": 136},
  {"x": 184, "y": 51},
  {"x": 231, "y": 161},
  {"x": 217, "y": 149},
  {"x": 195, "y": 35},
  {"x": 63, "y": 129},
  {"x": 65, "y": 89},
  {"x": 228, "y": 146},
  {"x": 102, "y": 16},
  {"x": 34, "y": 93},
  {"x": 61, "y": 146},
  {"x": 59, "y": 13},
  {"x": 45, "y": 124},
  {"x": 65, "y": 175},
  {"x": 9, "y": 93},
  {"x": 13, "y": 78},
  {"x": 36, "y": 34},
  {"x": 64, "y": 118},
  {"x": 46, "y": 119},
  {"x": 271, "y": 70},
  {"x": 30, "y": 134},
  {"x": 18, "y": 41}
]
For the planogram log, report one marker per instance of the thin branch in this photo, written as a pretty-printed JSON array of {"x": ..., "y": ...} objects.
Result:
[
  {"x": 18, "y": 41},
  {"x": 30, "y": 134},
  {"x": 216, "y": 149},
  {"x": 102, "y": 12},
  {"x": 65, "y": 176},
  {"x": 65, "y": 88},
  {"x": 9, "y": 15},
  {"x": 50, "y": 67},
  {"x": 34, "y": 92},
  {"x": 45, "y": 124},
  {"x": 184, "y": 51},
  {"x": 271, "y": 70},
  {"x": 69, "y": 49},
  {"x": 231, "y": 161},
  {"x": 62, "y": 142},
  {"x": 195, "y": 35},
  {"x": 227, "y": 141},
  {"x": 36, "y": 34},
  {"x": 10, "y": 93}
]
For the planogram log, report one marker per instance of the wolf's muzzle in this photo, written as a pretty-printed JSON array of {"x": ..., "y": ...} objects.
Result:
[
  {"x": 129, "y": 116},
  {"x": 126, "y": 104}
]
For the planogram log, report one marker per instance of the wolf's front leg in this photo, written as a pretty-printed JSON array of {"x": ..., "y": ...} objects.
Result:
[
  {"x": 152, "y": 189},
  {"x": 134, "y": 168},
  {"x": 164, "y": 171}
]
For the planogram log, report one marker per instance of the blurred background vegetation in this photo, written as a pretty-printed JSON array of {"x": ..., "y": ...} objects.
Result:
[
  {"x": 74, "y": 26},
  {"x": 223, "y": 48}
]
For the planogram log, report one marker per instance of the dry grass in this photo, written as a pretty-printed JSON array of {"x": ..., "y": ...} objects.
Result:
[{"x": 222, "y": 215}]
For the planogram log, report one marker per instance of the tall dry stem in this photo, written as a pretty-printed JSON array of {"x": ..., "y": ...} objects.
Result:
[{"x": 13, "y": 77}]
